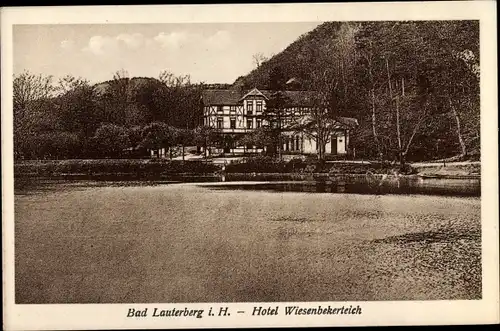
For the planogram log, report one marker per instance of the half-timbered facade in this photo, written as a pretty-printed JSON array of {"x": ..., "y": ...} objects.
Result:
[{"x": 234, "y": 113}]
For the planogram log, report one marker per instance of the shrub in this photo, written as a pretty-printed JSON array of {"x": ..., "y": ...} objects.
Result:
[
  {"x": 111, "y": 139},
  {"x": 112, "y": 166},
  {"x": 265, "y": 164},
  {"x": 51, "y": 144},
  {"x": 259, "y": 164}
]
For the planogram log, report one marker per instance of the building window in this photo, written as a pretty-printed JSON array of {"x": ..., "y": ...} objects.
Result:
[
  {"x": 258, "y": 123},
  {"x": 233, "y": 123},
  {"x": 220, "y": 109},
  {"x": 249, "y": 107},
  {"x": 220, "y": 123},
  {"x": 249, "y": 123},
  {"x": 232, "y": 109},
  {"x": 259, "y": 106}
]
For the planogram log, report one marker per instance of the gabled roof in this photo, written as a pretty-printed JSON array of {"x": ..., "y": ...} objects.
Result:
[
  {"x": 254, "y": 92},
  {"x": 235, "y": 97}
]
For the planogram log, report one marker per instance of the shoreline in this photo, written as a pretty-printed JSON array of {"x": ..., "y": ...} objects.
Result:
[
  {"x": 250, "y": 176},
  {"x": 278, "y": 182}
]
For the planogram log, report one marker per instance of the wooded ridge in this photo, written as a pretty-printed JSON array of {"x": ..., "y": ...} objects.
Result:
[{"x": 412, "y": 86}]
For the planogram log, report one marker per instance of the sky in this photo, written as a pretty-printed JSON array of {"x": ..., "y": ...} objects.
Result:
[{"x": 208, "y": 52}]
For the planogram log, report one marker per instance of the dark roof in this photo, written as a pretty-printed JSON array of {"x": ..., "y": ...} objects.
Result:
[
  {"x": 349, "y": 121},
  {"x": 232, "y": 97},
  {"x": 221, "y": 97}
]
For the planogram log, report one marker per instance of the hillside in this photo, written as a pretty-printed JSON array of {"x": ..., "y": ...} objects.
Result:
[
  {"x": 413, "y": 86},
  {"x": 295, "y": 60},
  {"x": 133, "y": 84}
]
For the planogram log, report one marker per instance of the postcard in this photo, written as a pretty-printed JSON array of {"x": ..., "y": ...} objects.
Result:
[{"x": 257, "y": 165}]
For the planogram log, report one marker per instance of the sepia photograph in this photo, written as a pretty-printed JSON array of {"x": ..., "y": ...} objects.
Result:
[{"x": 185, "y": 163}]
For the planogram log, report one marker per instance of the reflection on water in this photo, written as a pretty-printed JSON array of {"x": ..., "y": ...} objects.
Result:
[
  {"x": 31, "y": 185},
  {"x": 360, "y": 185}
]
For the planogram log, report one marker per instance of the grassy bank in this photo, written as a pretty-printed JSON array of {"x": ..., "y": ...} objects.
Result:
[
  {"x": 299, "y": 166},
  {"x": 449, "y": 169},
  {"x": 144, "y": 167},
  {"x": 246, "y": 168}
]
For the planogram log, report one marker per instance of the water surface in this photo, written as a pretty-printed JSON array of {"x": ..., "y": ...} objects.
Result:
[{"x": 145, "y": 242}]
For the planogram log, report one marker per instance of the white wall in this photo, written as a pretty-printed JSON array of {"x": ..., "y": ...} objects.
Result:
[
  {"x": 341, "y": 145},
  {"x": 309, "y": 146}
]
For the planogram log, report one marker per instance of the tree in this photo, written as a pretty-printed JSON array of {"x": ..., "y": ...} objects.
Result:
[
  {"x": 76, "y": 106},
  {"x": 179, "y": 100},
  {"x": 116, "y": 98},
  {"x": 147, "y": 102},
  {"x": 394, "y": 64},
  {"x": 70, "y": 83},
  {"x": 276, "y": 106},
  {"x": 425, "y": 73},
  {"x": 274, "y": 115},
  {"x": 111, "y": 139},
  {"x": 366, "y": 49},
  {"x": 28, "y": 87},
  {"x": 453, "y": 71},
  {"x": 184, "y": 137},
  {"x": 169, "y": 79},
  {"x": 204, "y": 136},
  {"x": 262, "y": 137},
  {"x": 158, "y": 135},
  {"x": 258, "y": 59},
  {"x": 31, "y": 99}
]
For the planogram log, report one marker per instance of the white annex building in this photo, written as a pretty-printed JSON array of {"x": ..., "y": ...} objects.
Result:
[{"x": 235, "y": 113}]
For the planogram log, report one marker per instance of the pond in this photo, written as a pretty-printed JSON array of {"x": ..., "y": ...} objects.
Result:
[
  {"x": 360, "y": 185},
  {"x": 136, "y": 241}
]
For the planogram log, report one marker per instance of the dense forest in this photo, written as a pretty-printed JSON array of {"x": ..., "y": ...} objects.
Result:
[{"x": 413, "y": 86}]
